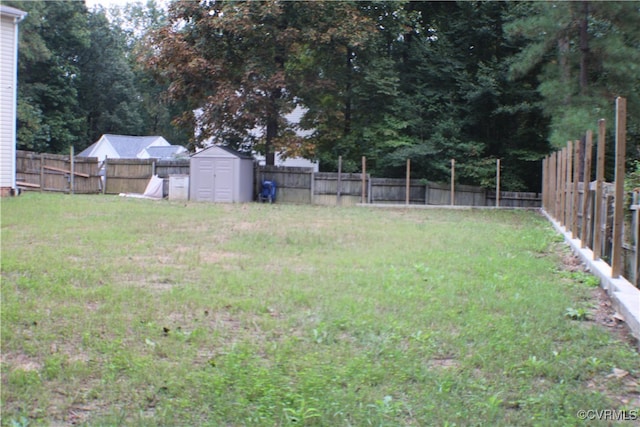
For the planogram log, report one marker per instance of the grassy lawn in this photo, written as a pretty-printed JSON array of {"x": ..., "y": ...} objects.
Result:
[{"x": 133, "y": 312}]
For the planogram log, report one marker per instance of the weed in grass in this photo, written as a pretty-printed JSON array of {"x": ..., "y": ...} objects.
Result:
[
  {"x": 300, "y": 413},
  {"x": 576, "y": 313}
]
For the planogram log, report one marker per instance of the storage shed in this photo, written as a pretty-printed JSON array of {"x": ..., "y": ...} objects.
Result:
[{"x": 220, "y": 174}]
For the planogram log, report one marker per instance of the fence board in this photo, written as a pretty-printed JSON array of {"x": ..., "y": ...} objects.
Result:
[
  {"x": 128, "y": 175},
  {"x": 166, "y": 168},
  {"x": 293, "y": 184},
  {"x": 393, "y": 190},
  {"x": 51, "y": 172}
]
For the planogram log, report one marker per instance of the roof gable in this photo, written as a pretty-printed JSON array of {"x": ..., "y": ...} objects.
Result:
[
  {"x": 220, "y": 151},
  {"x": 128, "y": 146},
  {"x": 122, "y": 146}
]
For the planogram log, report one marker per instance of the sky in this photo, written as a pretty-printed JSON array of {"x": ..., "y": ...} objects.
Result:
[{"x": 108, "y": 3}]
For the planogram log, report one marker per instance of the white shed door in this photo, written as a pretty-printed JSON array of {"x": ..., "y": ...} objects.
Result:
[
  {"x": 204, "y": 183},
  {"x": 223, "y": 180}
]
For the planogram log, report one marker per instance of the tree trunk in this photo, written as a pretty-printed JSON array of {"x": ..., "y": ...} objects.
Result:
[
  {"x": 563, "y": 61},
  {"x": 584, "y": 49},
  {"x": 272, "y": 127},
  {"x": 272, "y": 132},
  {"x": 347, "y": 97}
]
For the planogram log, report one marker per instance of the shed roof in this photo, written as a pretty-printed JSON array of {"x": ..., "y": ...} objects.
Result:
[{"x": 213, "y": 149}]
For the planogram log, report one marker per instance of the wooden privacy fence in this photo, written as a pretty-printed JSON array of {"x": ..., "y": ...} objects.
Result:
[
  {"x": 303, "y": 185},
  {"x": 132, "y": 175},
  {"x": 55, "y": 172},
  {"x": 86, "y": 175},
  {"x": 51, "y": 172},
  {"x": 595, "y": 212}
]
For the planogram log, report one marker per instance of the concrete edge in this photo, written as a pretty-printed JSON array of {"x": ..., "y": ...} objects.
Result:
[
  {"x": 625, "y": 297},
  {"x": 453, "y": 207}
]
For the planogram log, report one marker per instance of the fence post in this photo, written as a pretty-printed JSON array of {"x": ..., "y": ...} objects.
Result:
[
  {"x": 498, "y": 183},
  {"x": 453, "y": 181},
  {"x": 71, "y": 169},
  {"x": 597, "y": 214},
  {"x": 553, "y": 176},
  {"x": 408, "y": 189},
  {"x": 364, "y": 179},
  {"x": 41, "y": 172},
  {"x": 549, "y": 184},
  {"x": 568, "y": 187},
  {"x": 586, "y": 187},
  {"x": 313, "y": 186},
  {"x": 574, "y": 192},
  {"x": 106, "y": 172},
  {"x": 618, "y": 215},
  {"x": 544, "y": 182},
  {"x": 559, "y": 186},
  {"x": 636, "y": 237},
  {"x": 339, "y": 189}
]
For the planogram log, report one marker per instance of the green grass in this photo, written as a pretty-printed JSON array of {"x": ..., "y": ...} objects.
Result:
[{"x": 133, "y": 312}]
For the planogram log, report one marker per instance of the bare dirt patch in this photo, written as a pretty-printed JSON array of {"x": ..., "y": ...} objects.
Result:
[
  {"x": 443, "y": 363},
  {"x": 19, "y": 361}
]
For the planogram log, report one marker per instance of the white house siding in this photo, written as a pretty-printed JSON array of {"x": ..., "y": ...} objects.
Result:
[{"x": 8, "y": 80}]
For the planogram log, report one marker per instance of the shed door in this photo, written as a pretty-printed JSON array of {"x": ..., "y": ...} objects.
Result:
[
  {"x": 223, "y": 180},
  {"x": 204, "y": 180}
]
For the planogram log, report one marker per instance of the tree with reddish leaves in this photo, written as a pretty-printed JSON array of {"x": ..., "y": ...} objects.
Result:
[{"x": 244, "y": 66}]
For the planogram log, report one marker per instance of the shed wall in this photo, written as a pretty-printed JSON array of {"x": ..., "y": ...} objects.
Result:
[{"x": 217, "y": 175}]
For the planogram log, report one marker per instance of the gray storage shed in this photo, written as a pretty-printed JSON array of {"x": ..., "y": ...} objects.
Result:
[{"x": 220, "y": 174}]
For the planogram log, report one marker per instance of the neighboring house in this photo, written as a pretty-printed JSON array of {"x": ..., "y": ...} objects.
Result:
[
  {"x": 9, "y": 19},
  {"x": 298, "y": 162},
  {"x": 131, "y": 147},
  {"x": 170, "y": 152}
]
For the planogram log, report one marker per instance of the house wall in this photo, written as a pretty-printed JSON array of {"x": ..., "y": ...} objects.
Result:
[
  {"x": 103, "y": 150},
  {"x": 8, "y": 87}
]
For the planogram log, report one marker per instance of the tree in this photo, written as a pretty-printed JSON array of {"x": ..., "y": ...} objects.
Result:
[
  {"x": 49, "y": 114},
  {"x": 135, "y": 23},
  {"x": 455, "y": 99},
  {"x": 587, "y": 54},
  {"x": 110, "y": 100},
  {"x": 243, "y": 66}
]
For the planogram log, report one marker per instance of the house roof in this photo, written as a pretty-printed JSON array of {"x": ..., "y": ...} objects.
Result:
[
  {"x": 13, "y": 12},
  {"x": 165, "y": 152},
  {"x": 126, "y": 146}
]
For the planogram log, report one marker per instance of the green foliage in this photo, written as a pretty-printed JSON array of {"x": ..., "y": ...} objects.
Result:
[
  {"x": 585, "y": 54},
  {"x": 52, "y": 36},
  {"x": 429, "y": 81},
  {"x": 576, "y": 313},
  {"x": 110, "y": 98},
  {"x": 76, "y": 78}
]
